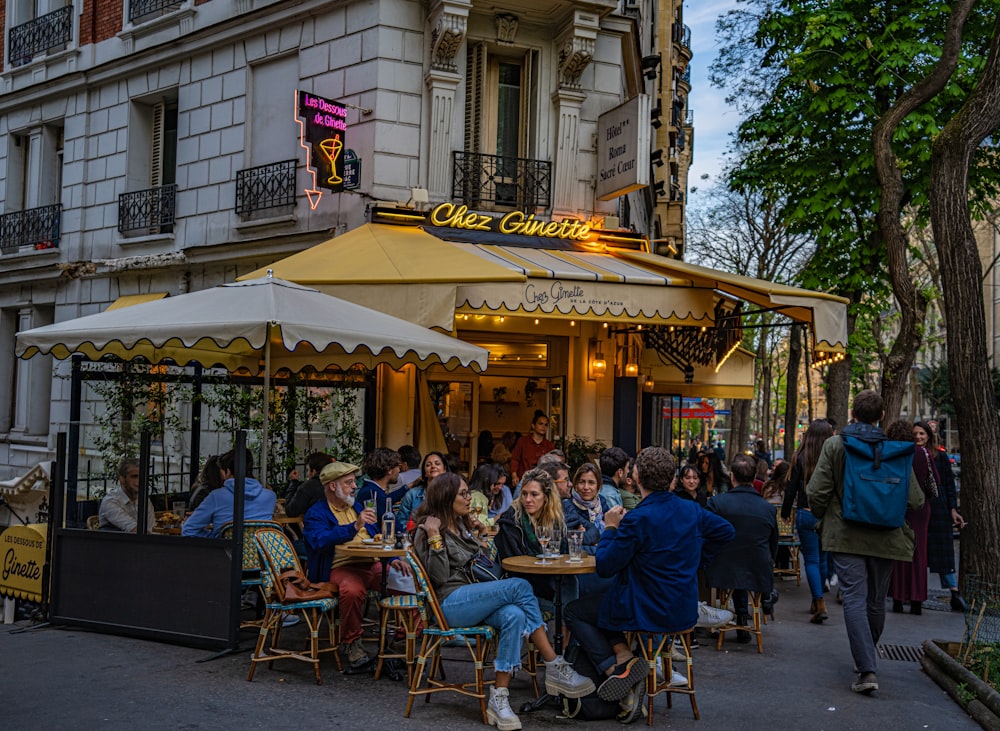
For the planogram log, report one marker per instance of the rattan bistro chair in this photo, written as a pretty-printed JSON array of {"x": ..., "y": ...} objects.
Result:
[
  {"x": 251, "y": 559},
  {"x": 674, "y": 652},
  {"x": 477, "y": 640},
  {"x": 277, "y": 555}
]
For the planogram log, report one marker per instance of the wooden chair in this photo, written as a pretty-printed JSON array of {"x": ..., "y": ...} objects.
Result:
[
  {"x": 664, "y": 646},
  {"x": 789, "y": 538},
  {"x": 477, "y": 640},
  {"x": 409, "y": 612},
  {"x": 251, "y": 558},
  {"x": 756, "y": 614},
  {"x": 277, "y": 555}
]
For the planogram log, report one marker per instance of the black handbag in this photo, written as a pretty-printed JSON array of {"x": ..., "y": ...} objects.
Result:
[{"x": 481, "y": 568}]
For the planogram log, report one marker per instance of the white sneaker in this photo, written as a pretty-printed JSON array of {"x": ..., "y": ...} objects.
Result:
[
  {"x": 677, "y": 654},
  {"x": 562, "y": 679},
  {"x": 290, "y": 620},
  {"x": 678, "y": 680},
  {"x": 712, "y": 616},
  {"x": 498, "y": 711}
]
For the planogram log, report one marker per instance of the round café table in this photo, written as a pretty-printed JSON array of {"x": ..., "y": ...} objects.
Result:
[
  {"x": 375, "y": 550},
  {"x": 558, "y": 566}
]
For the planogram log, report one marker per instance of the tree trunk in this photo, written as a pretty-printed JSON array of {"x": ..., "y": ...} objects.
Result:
[
  {"x": 792, "y": 389},
  {"x": 968, "y": 359},
  {"x": 911, "y": 302},
  {"x": 739, "y": 431},
  {"x": 838, "y": 392}
]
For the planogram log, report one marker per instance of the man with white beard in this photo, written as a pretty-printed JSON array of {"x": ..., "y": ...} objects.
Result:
[{"x": 339, "y": 520}]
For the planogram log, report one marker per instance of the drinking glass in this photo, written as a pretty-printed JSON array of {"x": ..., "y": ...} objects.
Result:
[
  {"x": 556, "y": 544},
  {"x": 575, "y": 546},
  {"x": 370, "y": 503},
  {"x": 544, "y": 535}
]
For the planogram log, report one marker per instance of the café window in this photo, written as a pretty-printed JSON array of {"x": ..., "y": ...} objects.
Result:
[{"x": 25, "y": 391}]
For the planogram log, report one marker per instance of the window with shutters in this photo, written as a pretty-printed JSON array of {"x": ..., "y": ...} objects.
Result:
[
  {"x": 32, "y": 208},
  {"x": 497, "y": 168},
  {"x": 148, "y": 206},
  {"x": 25, "y": 385}
]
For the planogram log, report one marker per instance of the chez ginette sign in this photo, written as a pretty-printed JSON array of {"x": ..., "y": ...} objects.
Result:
[
  {"x": 623, "y": 138},
  {"x": 448, "y": 215}
]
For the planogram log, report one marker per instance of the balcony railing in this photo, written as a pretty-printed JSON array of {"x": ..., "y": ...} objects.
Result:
[
  {"x": 44, "y": 33},
  {"x": 139, "y": 9},
  {"x": 682, "y": 35},
  {"x": 265, "y": 186},
  {"x": 36, "y": 227},
  {"x": 149, "y": 210},
  {"x": 514, "y": 182}
]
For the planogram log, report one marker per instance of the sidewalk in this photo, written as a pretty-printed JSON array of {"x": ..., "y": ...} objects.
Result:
[{"x": 56, "y": 679}]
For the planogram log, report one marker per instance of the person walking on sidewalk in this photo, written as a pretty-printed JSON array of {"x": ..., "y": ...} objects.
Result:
[{"x": 862, "y": 555}]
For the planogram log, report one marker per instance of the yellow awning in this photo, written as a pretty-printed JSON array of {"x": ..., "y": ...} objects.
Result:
[
  {"x": 827, "y": 313},
  {"x": 127, "y": 300},
  {"x": 735, "y": 379},
  {"x": 584, "y": 286}
]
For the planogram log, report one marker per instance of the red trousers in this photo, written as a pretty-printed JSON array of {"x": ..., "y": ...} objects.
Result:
[{"x": 353, "y": 582}]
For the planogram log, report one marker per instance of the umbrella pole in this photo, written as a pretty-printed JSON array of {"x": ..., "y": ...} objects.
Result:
[{"x": 267, "y": 401}]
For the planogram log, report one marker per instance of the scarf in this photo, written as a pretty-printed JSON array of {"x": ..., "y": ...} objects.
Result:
[
  {"x": 926, "y": 473},
  {"x": 595, "y": 513},
  {"x": 530, "y": 539}
]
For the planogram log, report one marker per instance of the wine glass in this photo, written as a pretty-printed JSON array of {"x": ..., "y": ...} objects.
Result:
[{"x": 544, "y": 535}]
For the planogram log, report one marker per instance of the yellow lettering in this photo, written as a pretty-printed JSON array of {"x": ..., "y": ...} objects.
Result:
[
  {"x": 441, "y": 215},
  {"x": 552, "y": 229},
  {"x": 509, "y": 223},
  {"x": 484, "y": 223}
]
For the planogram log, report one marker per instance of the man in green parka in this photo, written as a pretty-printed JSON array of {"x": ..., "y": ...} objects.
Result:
[{"x": 862, "y": 555}]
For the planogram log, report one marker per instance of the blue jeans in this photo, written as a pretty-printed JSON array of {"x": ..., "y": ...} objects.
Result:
[
  {"x": 507, "y": 605},
  {"x": 582, "y": 619},
  {"x": 949, "y": 581},
  {"x": 805, "y": 523}
]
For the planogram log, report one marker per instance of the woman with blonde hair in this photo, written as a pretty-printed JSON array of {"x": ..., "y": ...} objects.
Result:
[{"x": 537, "y": 507}]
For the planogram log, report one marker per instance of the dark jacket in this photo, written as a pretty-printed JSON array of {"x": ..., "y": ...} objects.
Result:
[
  {"x": 701, "y": 495},
  {"x": 322, "y": 534},
  {"x": 370, "y": 488},
  {"x": 656, "y": 568},
  {"x": 576, "y": 517},
  {"x": 940, "y": 533},
  {"x": 748, "y": 562},
  {"x": 304, "y": 498},
  {"x": 511, "y": 540},
  {"x": 795, "y": 490}
]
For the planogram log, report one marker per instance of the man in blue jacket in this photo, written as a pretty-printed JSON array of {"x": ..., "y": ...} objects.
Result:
[
  {"x": 654, "y": 550},
  {"x": 217, "y": 509}
]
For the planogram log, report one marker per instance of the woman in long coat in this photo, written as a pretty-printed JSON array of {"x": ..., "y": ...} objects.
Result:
[{"x": 944, "y": 517}]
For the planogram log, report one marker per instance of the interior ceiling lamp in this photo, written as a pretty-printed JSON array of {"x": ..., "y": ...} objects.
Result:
[
  {"x": 659, "y": 189},
  {"x": 654, "y": 116},
  {"x": 648, "y": 383},
  {"x": 631, "y": 370},
  {"x": 596, "y": 365},
  {"x": 649, "y": 65},
  {"x": 656, "y": 157}
]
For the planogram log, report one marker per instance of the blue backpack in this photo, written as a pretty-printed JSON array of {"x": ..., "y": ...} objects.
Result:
[{"x": 876, "y": 481}]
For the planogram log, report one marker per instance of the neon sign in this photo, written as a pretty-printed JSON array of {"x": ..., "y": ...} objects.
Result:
[
  {"x": 322, "y": 133},
  {"x": 449, "y": 215}
]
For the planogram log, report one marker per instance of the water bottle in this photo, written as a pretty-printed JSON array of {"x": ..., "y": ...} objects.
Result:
[{"x": 388, "y": 528}]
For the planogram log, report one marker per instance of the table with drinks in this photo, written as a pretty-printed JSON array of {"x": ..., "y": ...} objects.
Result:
[{"x": 384, "y": 547}]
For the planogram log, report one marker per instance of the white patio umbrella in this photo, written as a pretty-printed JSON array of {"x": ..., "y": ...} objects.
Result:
[{"x": 260, "y": 326}]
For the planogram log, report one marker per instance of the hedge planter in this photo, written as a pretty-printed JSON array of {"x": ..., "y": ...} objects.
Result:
[{"x": 976, "y": 697}]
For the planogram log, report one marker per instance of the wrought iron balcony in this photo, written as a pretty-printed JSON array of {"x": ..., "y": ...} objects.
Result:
[
  {"x": 35, "y": 227},
  {"x": 513, "y": 182},
  {"x": 50, "y": 31},
  {"x": 682, "y": 35},
  {"x": 138, "y": 10},
  {"x": 149, "y": 210},
  {"x": 265, "y": 186}
]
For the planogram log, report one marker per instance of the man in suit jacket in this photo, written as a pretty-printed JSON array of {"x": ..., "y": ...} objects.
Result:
[
  {"x": 747, "y": 563},
  {"x": 655, "y": 571}
]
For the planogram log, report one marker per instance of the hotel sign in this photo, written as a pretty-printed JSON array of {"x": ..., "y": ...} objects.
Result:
[{"x": 623, "y": 140}]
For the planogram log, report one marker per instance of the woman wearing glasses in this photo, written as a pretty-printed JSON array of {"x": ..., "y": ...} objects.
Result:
[{"x": 445, "y": 544}]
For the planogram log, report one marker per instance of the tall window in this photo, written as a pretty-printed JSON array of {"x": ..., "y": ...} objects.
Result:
[
  {"x": 500, "y": 114},
  {"x": 37, "y": 27},
  {"x": 25, "y": 391},
  {"x": 147, "y": 207}
]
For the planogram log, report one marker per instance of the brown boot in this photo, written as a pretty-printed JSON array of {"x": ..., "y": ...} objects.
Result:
[
  {"x": 820, "y": 613},
  {"x": 812, "y": 607}
]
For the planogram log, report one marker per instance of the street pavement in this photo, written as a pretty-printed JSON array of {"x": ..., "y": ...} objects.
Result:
[{"x": 68, "y": 678}]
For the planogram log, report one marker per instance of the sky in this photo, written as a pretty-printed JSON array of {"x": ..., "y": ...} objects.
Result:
[{"x": 714, "y": 120}]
